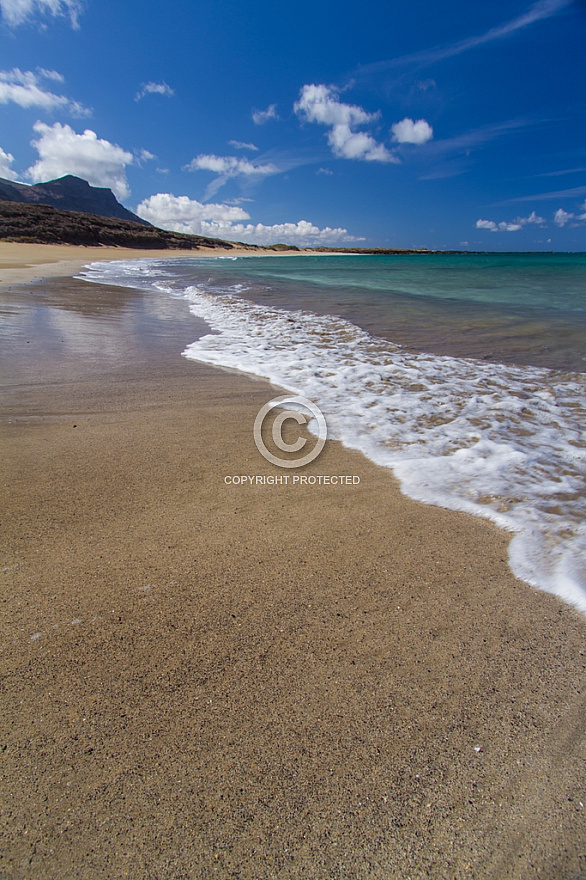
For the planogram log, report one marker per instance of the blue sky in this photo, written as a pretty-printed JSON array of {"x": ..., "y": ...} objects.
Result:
[{"x": 432, "y": 124}]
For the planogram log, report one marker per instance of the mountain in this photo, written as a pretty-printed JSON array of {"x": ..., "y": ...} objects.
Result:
[
  {"x": 42, "y": 224},
  {"x": 69, "y": 193}
]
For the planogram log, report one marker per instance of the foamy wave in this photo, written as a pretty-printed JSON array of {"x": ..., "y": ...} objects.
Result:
[
  {"x": 497, "y": 441},
  {"x": 501, "y": 442}
]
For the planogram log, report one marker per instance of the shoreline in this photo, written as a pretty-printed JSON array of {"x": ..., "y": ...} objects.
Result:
[
  {"x": 21, "y": 263},
  {"x": 205, "y": 679}
]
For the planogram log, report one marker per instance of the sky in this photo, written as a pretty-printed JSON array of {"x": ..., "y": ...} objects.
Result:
[{"x": 441, "y": 124}]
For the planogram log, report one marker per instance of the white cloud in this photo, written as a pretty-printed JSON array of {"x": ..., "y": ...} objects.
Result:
[
  {"x": 23, "y": 87},
  {"x": 227, "y": 167},
  {"x": 575, "y": 192},
  {"x": 517, "y": 224},
  {"x": 539, "y": 11},
  {"x": 259, "y": 117},
  {"x": 242, "y": 145},
  {"x": 230, "y": 166},
  {"x": 561, "y": 218},
  {"x": 319, "y": 103},
  {"x": 498, "y": 227},
  {"x": 408, "y": 132},
  {"x": 152, "y": 88},
  {"x": 532, "y": 218},
  {"x": 141, "y": 156},
  {"x": 6, "y": 160},
  {"x": 62, "y": 151},
  {"x": 181, "y": 214},
  {"x": 50, "y": 74},
  {"x": 17, "y": 12},
  {"x": 326, "y": 171}
]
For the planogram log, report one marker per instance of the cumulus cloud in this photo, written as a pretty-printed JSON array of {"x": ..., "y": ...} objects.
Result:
[
  {"x": 227, "y": 167},
  {"x": 408, "y": 132},
  {"x": 242, "y": 145},
  {"x": 62, "y": 151},
  {"x": 259, "y": 117},
  {"x": 514, "y": 226},
  {"x": 321, "y": 104},
  {"x": 152, "y": 88},
  {"x": 17, "y": 12},
  {"x": 532, "y": 218},
  {"x": 6, "y": 160},
  {"x": 182, "y": 214},
  {"x": 498, "y": 227},
  {"x": 25, "y": 88},
  {"x": 561, "y": 218}
]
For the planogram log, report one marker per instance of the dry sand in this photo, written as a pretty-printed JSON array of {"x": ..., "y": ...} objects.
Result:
[
  {"x": 202, "y": 680},
  {"x": 28, "y": 262}
]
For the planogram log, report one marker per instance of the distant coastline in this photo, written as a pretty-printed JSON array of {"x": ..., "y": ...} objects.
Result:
[{"x": 44, "y": 225}]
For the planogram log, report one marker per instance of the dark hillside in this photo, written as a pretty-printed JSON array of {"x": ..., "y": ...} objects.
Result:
[{"x": 41, "y": 224}]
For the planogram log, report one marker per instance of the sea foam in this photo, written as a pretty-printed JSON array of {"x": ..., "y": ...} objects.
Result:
[{"x": 498, "y": 441}]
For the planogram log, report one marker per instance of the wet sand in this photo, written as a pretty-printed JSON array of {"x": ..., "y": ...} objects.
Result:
[{"x": 204, "y": 680}]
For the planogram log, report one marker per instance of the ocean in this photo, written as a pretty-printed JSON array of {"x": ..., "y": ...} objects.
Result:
[{"x": 464, "y": 373}]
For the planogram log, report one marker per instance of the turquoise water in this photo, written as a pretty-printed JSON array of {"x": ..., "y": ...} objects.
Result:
[
  {"x": 514, "y": 308},
  {"x": 548, "y": 281}
]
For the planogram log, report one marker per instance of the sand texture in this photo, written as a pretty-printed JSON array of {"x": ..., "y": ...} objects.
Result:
[{"x": 202, "y": 680}]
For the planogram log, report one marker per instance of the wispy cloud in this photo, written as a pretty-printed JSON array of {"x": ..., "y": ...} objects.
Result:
[
  {"x": 539, "y": 11},
  {"x": 17, "y": 12},
  {"x": 242, "y": 145},
  {"x": 562, "y": 173},
  {"x": 142, "y": 156},
  {"x": 449, "y": 157},
  {"x": 259, "y": 117},
  {"x": 227, "y": 167},
  {"x": 575, "y": 192},
  {"x": 153, "y": 88},
  {"x": 25, "y": 88},
  {"x": 476, "y": 137}
]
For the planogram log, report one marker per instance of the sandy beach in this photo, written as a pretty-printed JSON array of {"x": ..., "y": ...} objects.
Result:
[
  {"x": 28, "y": 262},
  {"x": 209, "y": 680}
]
